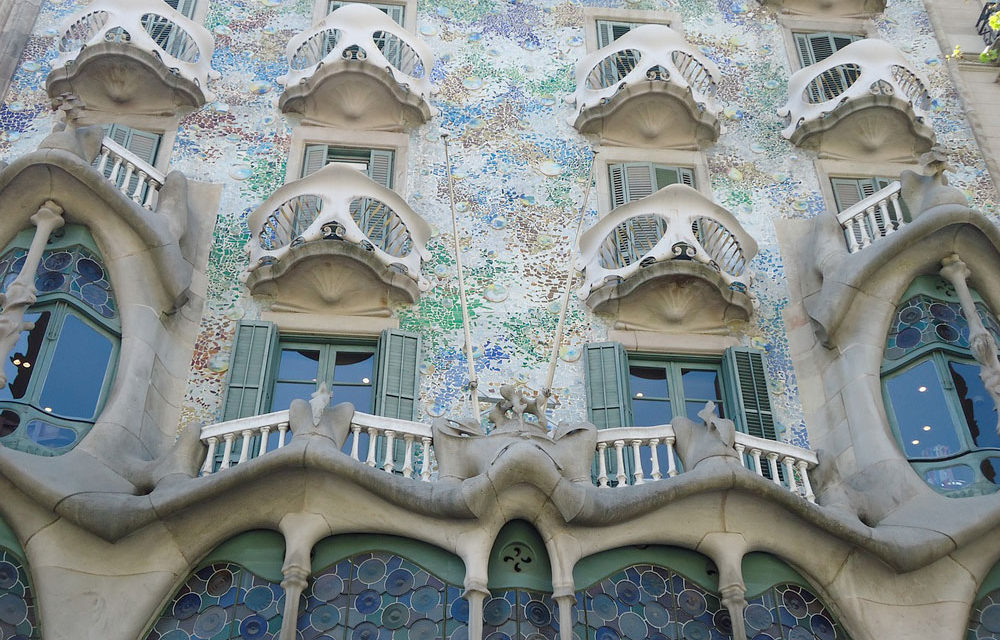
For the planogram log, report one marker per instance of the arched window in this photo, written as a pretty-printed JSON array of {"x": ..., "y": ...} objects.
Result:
[
  {"x": 367, "y": 588},
  {"x": 653, "y": 593},
  {"x": 236, "y": 593},
  {"x": 18, "y": 614},
  {"x": 59, "y": 372},
  {"x": 520, "y": 584},
  {"x": 938, "y": 406}
]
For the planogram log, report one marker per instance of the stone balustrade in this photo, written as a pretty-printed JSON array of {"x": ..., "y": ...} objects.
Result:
[
  {"x": 875, "y": 217},
  {"x": 859, "y": 70},
  {"x": 136, "y": 178},
  {"x": 270, "y": 431},
  {"x": 360, "y": 32},
  {"x": 184, "y": 47},
  {"x": 339, "y": 203},
  {"x": 676, "y": 222}
]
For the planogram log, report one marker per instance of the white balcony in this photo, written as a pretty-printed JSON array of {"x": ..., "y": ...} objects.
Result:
[
  {"x": 358, "y": 68},
  {"x": 672, "y": 261},
  {"x": 140, "y": 56},
  {"x": 136, "y": 178},
  {"x": 829, "y": 8},
  {"x": 864, "y": 101},
  {"x": 338, "y": 242},
  {"x": 648, "y": 88},
  {"x": 875, "y": 217}
]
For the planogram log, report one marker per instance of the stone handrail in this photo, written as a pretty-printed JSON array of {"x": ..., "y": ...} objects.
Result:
[
  {"x": 875, "y": 217},
  {"x": 342, "y": 204},
  {"x": 357, "y": 31},
  {"x": 183, "y": 45},
  {"x": 136, "y": 178},
  {"x": 641, "y": 444},
  {"x": 651, "y": 52},
  {"x": 862, "y": 68},
  {"x": 676, "y": 222}
]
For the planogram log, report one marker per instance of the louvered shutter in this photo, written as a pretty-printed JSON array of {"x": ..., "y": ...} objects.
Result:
[
  {"x": 380, "y": 167},
  {"x": 686, "y": 176},
  {"x": 118, "y": 132},
  {"x": 605, "y": 33},
  {"x": 639, "y": 180},
  {"x": 394, "y": 11},
  {"x": 397, "y": 380},
  {"x": 186, "y": 7},
  {"x": 144, "y": 144},
  {"x": 606, "y": 369},
  {"x": 314, "y": 159},
  {"x": 616, "y": 176},
  {"x": 846, "y": 192},
  {"x": 747, "y": 384},
  {"x": 248, "y": 383}
]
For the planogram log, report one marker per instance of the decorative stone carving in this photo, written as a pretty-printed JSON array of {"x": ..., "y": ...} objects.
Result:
[
  {"x": 315, "y": 417},
  {"x": 713, "y": 438}
]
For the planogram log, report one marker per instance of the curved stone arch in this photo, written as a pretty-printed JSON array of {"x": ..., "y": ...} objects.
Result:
[
  {"x": 369, "y": 582},
  {"x": 984, "y": 616},
  {"x": 238, "y": 585},
  {"x": 649, "y": 591},
  {"x": 17, "y": 596},
  {"x": 780, "y": 599}
]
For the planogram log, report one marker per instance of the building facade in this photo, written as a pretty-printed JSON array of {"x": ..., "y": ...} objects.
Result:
[{"x": 499, "y": 319}]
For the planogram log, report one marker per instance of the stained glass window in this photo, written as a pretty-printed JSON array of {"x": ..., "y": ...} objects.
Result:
[
  {"x": 790, "y": 612},
  {"x": 220, "y": 602},
  {"x": 646, "y": 601},
  {"x": 381, "y": 595},
  {"x": 984, "y": 624},
  {"x": 76, "y": 271},
  {"x": 518, "y": 613},
  {"x": 18, "y": 616}
]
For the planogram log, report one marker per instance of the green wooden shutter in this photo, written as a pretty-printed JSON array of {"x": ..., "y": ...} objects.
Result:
[
  {"x": 314, "y": 159},
  {"x": 816, "y": 47},
  {"x": 144, "y": 144},
  {"x": 608, "y": 404},
  {"x": 248, "y": 384},
  {"x": 746, "y": 382},
  {"x": 380, "y": 167},
  {"x": 397, "y": 381},
  {"x": 639, "y": 180},
  {"x": 616, "y": 176}
]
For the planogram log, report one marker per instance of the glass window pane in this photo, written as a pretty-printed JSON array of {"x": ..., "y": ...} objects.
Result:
[
  {"x": 21, "y": 363},
  {"x": 648, "y": 413},
  {"x": 700, "y": 384},
  {"x": 76, "y": 374},
  {"x": 354, "y": 366},
  {"x": 922, "y": 415},
  {"x": 648, "y": 382},
  {"x": 360, "y": 397},
  {"x": 50, "y": 435},
  {"x": 299, "y": 364},
  {"x": 950, "y": 478},
  {"x": 991, "y": 469},
  {"x": 977, "y": 405},
  {"x": 285, "y": 392}
]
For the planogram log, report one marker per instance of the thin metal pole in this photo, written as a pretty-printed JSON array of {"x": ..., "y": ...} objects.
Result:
[
  {"x": 473, "y": 381},
  {"x": 570, "y": 272}
]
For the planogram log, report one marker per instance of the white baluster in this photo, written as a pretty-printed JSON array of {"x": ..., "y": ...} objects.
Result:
[
  {"x": 852, "y": 239},
  {"x": 425, "y": 463},
  {"x": 755, "y": 454},
  {"x": 739, "y": 451},
  {"x": 671, "y": 464},
  {"x": 790, "y": 474},
  {"x": 883, "y": 206},
  {"x": 372, "y": 435},
  {"x": 806, "y": 485},
  {"x": 602, "y": 468},
  {"x": 245, "y": 447},
  {"x": 772, "y": 465},
  {"x": 265, "y": 433},
  {"x": 103, "y": 162},
  {"x": 282, "y": 429},
  {"x": 147, "y": 202},
  {"x": 206, "y": 469},
  {"x": 114, "y": 169},
  {"x": 129, "y": 170},
  {"x": 226, "y": 455},
  {"x": 390, "y": 439},
  {"x": 408, "y": 458},
  {"x": 897, "y": 212},
  {"x": 637, "y": 461},
  {"x": 654, "y": 459},
  {"x": 620, "y": 458},
  {"x": 356, "y": 432},
  {"x": 137, "y": 195}
]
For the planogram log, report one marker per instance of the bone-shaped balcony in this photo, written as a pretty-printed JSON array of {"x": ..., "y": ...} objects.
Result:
[
  {"x": 672, "y": 261},
  {"x": 335, "y": 241},
  {"x": 139, "y": 56},
  {"x": 648, "y": 88},
  {"x": 358, "y": 68},
  {"x": 864, "y": 101}
]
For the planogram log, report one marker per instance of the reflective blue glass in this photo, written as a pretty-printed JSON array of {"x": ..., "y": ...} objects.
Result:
[{"x": 76, "y": 375}]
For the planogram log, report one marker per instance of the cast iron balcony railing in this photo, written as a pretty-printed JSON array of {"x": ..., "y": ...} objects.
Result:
[
  {"x": 875, "y": 217},
  {"x": 657, "y": 73}
]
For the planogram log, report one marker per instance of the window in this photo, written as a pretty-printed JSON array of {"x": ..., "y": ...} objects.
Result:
[
  {"x": 635, "y": 180},
  {"x": 610, "y": 30},
  {"x": 167, "y": 36},
  {"x": 144, "y": 144},
  {"x": 660, "y": 389},
  {"x": 939, "y": 408},
  {"x": 815, "y": 47},
  {"x": 394, "y": 11},
  {"x": 60, "y": 370},
  {"x": 348, "y": 369},
  {"x": 847, "y": 192},
  {"x": 377, "y": 164},
  {"x": 186, "y": 7}
]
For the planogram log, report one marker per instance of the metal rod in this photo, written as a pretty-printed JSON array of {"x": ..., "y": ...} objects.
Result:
[
  {"x": 473, "y": 381},
  {"x": 570, "y": 272}
]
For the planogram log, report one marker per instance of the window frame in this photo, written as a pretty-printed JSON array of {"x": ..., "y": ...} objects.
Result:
[
  {"x": 673, "y": 364},
  {"x": 328, "y": 346},
  {"x": 827, "y": 169},
  {"x": 320, "y": 10},
  {"x": 610, "y": 155},
  {"x": 591, "y": 16},
  {"x": 791, "y": 25},
  {"x": 305, "y": 135}
]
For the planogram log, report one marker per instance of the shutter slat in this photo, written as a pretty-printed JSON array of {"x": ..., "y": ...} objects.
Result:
[
  {"x": 639, "y": 180},
  {"x": 314, "y": 159},
  {"x": 397, "y": 381},
  {"x": 607, "y": 385},
  {"x": 144, "y": 144},
  {"x": 247, "y": 385},
  {"x": 747, "y": 382},
  {"x": 846, "y": 192},
  {"x": 380, "y": 167},
  {"x": 617, "y": 178}
]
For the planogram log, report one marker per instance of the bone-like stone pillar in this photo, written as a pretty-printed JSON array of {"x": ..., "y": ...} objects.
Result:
[
  {"x": 476, "y": 594},
  {"x": 301, "y": 531},
  {"x": 727, "y": 551}
]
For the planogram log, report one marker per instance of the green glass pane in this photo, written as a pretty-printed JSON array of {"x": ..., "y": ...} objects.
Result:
[{"x": 918, "y": 402}]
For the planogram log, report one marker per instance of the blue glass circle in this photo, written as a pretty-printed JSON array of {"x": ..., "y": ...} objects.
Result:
[
  {"x": 943, "y": 312},
  {"x": 425, "y": 598},
  {"x": 696, "y": 630},
  {"x": 460, "y": 610},
  {"x": 990, "y": 617},
  {"x": 758, "y": 617},
  {"x": 496, "y": 612},
  {"x": 187, "y": 605},
  {"x": 93, "y": 294},
  {"x": 656, "y": 614},
  {"x": 58, "y": 260},
  {"x": 328, "y": 587},
  {"x": 220, "y": 582},
  {"x": 908, "y": 338},
  {"x": 8, "y": 575},
  {"x": 909, "y": 315},
  {"x": 423, "y": 629},
  {"x": 89, "y": 270},
  {"x": 49, "y": 281},
  {"x": 176, "y": 634},
  {"x": 398, "y": 582},
  {"x": 632, "y": 625},
  {"x": 371, "y": 571},
  {"x": 396, "y": 615},
  {"x": 258, "y": 598},
  {"x": 13, "y": 609},
  {"x": 365, "y": 631},
  {"x": 628, "y": 592},
  {"x": 537, "y": 613},
  {"x": 368, "y": 601},
  {"x": 723, "y": 622},
  {"x": 653, "y": 584},
  {"x": 324, "y": 617},
  {"x": 606, "y": 633},
  {"x": 794, "y": 603},
  {"x": 210, "y": 622},
  {"x": 692, "y": 602},
  {"x": 253, "y": 627},
  {"x": 604, "y": 607},
  {"x": 947, "y": 332},
  {"x": 800, "y": 633},
  {"x": 823, "y": 628}
]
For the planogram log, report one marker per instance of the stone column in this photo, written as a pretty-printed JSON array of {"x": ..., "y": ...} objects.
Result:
[
  {"x": 476, "y": 594},
  {"x": 565, "y": 599},
  {"x": 301, "y": 531},
  {"x": 727, "y": 551},
  {"x": 296, "y": 579}
]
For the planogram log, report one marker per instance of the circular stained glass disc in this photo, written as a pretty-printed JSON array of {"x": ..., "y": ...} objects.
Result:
[
  {"x": 606, "y": 633},
  {"x": 653, "y": 584},
  {"x": 498, "y": 635},
  {"x": 696, "y": 630},
  {"x": 210, "y": 622},
  {"x": 176, "y": 634},
  {"x": 823, "y": 628},
  {"x": 50, "y": 281},
  {"x": 537, "y": 613},
  {"x": 947, "y": 332},
  {"x": 328, "y": 587},
  {"x": 990, "y": 617},
  {"x": 423, "y": 629},
  {"x": 58, "y": 261},
  {"x": 8, "y": 575},
  {"x": 368, "y": 601},
  {"x": 324, "y": 617},
  {"x": 908, "y": 338},
  {"x": 425, "y": 598},
  {"x": 365, "y": 631},
  {"x": 723, "y": 622},
  {"x": 765, "y": 636},
  {"x": 219, "y": 583},
  {"x": 258, "y": 598},
  {"x": 187, "y": 605},
  {"x": 692, "y": 602},
  {"x": 460, "y": 610},
  {"x": 943, "y": 312},
  {"x": 909, "y": 315},
  {"x": 461, "y": 633},
  {"x": 656, "y": 614},
  {"x": 93, "y": 294},
  {"x": 658, "y": 636},
  {"x": 758, "y": 617},
  {"x": 632, "y": 625},
  {"x": 395, "y": 615},
  {"x": 628, "y": 592},
  {"x": 496, "y": 612},
  {"x": 800, "y": 633},
  {"x": 604, "y": 607},
  {"x": 89, "y": 269},
  {"x": 253, "y": 627},
  {"x": 795, "y": 604},
  {"x": 371, "y": 571},
  {"x": 399, "y": 582},
  {"x": 13, "y": 609}
]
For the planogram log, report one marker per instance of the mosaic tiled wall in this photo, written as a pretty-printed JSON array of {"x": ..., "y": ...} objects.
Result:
[{"x": 503, "y": 71}]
